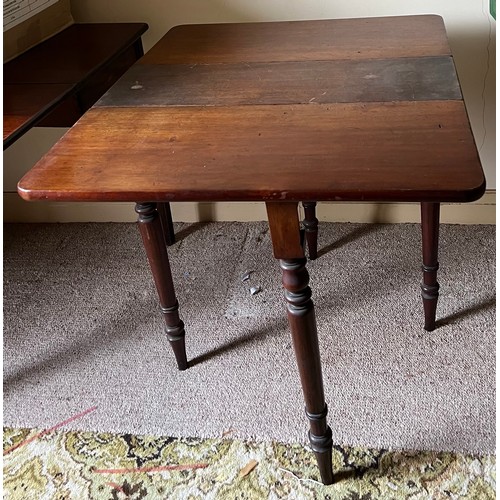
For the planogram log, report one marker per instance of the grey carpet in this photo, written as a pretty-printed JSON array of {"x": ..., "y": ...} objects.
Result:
[{"x": 82, "y": 328}]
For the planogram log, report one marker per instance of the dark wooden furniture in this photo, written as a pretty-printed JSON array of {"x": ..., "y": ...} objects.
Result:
[
  {"x": 354, "y": 109},
  {"x": 55, "y": 82}
]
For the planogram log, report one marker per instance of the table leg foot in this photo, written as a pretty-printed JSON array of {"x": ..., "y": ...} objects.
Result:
[
  {"x": 166, "y": 222},
  {"x": 322, "y": 446},
  {"x": 430, "y": 239},
  {"x": 153, "y": 239},
  {"x": 310, "y": 224}
]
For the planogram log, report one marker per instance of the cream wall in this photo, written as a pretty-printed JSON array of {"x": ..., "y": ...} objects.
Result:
[{"x": 471, "y": 33}]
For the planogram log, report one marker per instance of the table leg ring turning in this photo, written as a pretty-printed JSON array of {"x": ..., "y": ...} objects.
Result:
[
  {"x": 430, "y": 240},
  {"x": 153, "y": 238}
]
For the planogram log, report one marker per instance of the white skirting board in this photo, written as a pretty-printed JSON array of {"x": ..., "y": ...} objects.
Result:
[{"x": 17, "y": 210}]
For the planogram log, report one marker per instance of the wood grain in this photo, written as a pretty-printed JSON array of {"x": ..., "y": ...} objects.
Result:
[
  {"x": 382, "y": 80},
  {"x": 383, "y": 37},
  {"x": 285, "y": 230},
  {"x": 255, "y": 112},
  {"x": 406, "y": 151}
]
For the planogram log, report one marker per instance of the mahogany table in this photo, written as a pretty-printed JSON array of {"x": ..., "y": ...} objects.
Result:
[{"x": 331, "y": 110}]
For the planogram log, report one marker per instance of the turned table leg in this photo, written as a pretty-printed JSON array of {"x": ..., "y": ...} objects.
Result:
[
  {"x": 310, "y": 224},
  {"x": 166, "y": 222},
  {"x": 430, "y": 238},
  {"x": 154, "y": 243},
  {"x": 285, "y": 234}
]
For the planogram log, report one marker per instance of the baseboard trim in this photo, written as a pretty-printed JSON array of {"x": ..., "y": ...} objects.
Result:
[{"x": 15, "y": 209}]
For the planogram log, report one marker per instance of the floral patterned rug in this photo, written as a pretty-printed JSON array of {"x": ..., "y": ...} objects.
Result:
[{"x": 80, "y": 465}]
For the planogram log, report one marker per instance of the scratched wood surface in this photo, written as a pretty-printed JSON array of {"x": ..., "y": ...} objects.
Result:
[
  {"x": 372, "y": 151},
  {"x": 403, "y": 79},
  {"x": 357, "y": 109}
]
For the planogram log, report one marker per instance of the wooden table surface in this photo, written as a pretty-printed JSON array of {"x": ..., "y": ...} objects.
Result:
[{"x": 354, "y": 109}]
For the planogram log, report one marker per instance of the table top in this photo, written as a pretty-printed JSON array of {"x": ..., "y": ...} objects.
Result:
[
  {"x": 352, "y": 109},
  {"x": 36, "y": 81}
]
